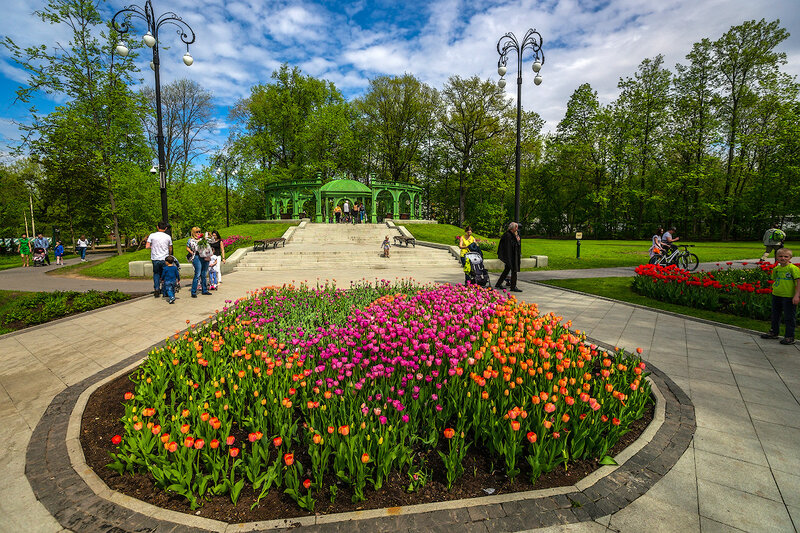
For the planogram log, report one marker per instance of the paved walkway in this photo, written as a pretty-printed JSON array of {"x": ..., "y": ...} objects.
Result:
[
  {"x": 740, "y": 472},
  {"x": 37, "y": 279}
]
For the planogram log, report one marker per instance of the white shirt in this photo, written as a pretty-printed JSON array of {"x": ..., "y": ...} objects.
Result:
[
  {"x": 346, "y": 207},
  {"x": 83, "y": 243},
  {"x": 160, "y": 242}
]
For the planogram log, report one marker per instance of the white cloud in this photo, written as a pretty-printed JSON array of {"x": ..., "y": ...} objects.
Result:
[{"x": 241, "y": 42}]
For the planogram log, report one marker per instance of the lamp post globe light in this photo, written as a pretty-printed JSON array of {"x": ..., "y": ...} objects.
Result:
[
  {"x": 150, "y": 39},
  {"x": 222, "y": 163},
  {"x": 508, "y": 43}
]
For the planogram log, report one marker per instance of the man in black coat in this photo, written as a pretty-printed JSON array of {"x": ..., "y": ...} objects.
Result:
[{"x": 509, "y": 251}]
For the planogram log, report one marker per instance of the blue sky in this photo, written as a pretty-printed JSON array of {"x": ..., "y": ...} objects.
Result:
[{"x": 240, "y": 42}]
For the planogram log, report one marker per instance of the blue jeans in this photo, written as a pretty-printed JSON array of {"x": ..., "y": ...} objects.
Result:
[
  {"x": 82, "y": 250},
  {"x": 783, "y": 305},
  {"x": 158, "y": 266},
  {"x": 212, "y": 276},
  {"x": 169, "y": 290},
  {"x": 200, "y": 274}
]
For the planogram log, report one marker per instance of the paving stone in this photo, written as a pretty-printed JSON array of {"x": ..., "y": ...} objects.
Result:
[
  {"x": 483, "y": 512},
  {"x": 506, "y": 524},
  {"x": 740, "y": 509}
]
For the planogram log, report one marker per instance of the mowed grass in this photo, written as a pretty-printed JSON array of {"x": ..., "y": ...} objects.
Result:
[
  {"x": 620, "y": 289},
  {"x": 14, "y": 260},
  {"x": 596, "y": 253},
  {"x": 117, "y": 266}
]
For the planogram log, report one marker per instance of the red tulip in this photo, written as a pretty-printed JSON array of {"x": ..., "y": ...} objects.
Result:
[
  {"x": 229, "y": 440},
  {"x": 531, "y": 437},
  {"x": 365, "y": 458},
  {"x": 449, "y": 433},
  {"x": 288, "y": 459},
  {"x": 214, "y": 444},
  {"x": 307, "y": 484},
  {"x": 234, "y": 452},
  {"x": 116, "y": 439},
  {"x": 277, "y": 441},
  {"x": 199, "y": 443},
  {"x": 129, "y": 396}
]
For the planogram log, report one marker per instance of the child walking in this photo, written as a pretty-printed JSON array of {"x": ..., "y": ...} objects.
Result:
[
  {"x": 59, "y": 251},
  {"x": 785, "y": 296},
  {"x": 386, "y": 246},
  {"x": 170, "y": 275},
  {"x": 213, "y": 272}
]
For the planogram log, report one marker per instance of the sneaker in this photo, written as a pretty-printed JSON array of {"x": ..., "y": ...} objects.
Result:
[
  {"x": 206, "y": 293},
  {"x": 787, "y": 340},
  {"x": 769, "y": 335},
  {"x": 194, "y": 296},
  {"x": 514, "y": 289},
  {"x": 156, "y": 294},
  {"x": 497, "y": 286}
]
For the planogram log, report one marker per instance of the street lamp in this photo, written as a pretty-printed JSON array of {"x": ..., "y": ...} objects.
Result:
[
  {"x": 151, "y": 40},
  {"x": 222, "y": 162},
  {"x": 507, "y": 43}
]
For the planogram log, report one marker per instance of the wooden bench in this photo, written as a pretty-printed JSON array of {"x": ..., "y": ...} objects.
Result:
[
  {"x": 264, "y": 244},
  {"x": 399, "y": 239}
]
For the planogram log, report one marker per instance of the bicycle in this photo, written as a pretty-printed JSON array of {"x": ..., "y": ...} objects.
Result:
[{"x": 682, "y": 258}]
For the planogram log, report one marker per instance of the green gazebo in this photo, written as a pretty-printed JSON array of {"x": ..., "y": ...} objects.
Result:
[{"x": 287, "y": 199}]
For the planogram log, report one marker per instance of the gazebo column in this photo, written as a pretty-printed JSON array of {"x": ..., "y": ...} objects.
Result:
[
  {"x": 318, "y": 198},
  {"x": 411, "y": 197},
  {"x": 396, "y": 209},
  {"x": 373, "y": 207}
]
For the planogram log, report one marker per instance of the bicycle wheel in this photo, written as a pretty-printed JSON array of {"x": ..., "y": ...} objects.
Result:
[
  {"x": 654, "y": 260},
  {"x": 690, "y": 262}
]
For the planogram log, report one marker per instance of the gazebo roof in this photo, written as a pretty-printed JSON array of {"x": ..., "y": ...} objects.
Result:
[{"x": 345, "y": 187}]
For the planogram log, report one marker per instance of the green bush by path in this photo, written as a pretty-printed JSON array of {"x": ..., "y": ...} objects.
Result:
[
  {"x": 117, "y": 266},
  {"x": 19, "y": 310},
  {"x": 595, "y": 253},
  {"x": 621, "y": 289}
]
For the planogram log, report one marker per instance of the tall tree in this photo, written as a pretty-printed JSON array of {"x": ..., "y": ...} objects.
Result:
[
  {"x": 85, "y": 70},
  {"x": 474, "y": 110},
  {"x": 188, "y": 117},
  {"x": 401, "y": 112},
  {"x": 743, "y": 55}
]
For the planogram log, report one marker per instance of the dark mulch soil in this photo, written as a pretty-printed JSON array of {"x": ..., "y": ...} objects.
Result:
[{"x": 101, "y": 420}]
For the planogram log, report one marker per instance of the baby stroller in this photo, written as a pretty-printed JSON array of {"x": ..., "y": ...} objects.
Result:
[
  {"x": 39, "y": 257},
  {"x": 473, "y": 266}
]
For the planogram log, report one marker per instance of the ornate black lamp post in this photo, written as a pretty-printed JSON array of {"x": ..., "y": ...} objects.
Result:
[
  {"x": 222, "y": 163},
  {"x": 507, "y": 43},
  {"x": 151, "y": 40}
]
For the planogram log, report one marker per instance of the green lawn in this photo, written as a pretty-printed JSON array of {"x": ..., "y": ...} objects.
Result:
[
  {"x": 14, "y": 261},
  {"x": 595, "y": 253},
  {"x": 620, "y": 289},
  {"x": 117, "y": 266}
]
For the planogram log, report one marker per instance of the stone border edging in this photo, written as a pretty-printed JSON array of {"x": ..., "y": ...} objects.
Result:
[
  {"x": 645, "y": 308},
  {"x": 87, "y": 507}
]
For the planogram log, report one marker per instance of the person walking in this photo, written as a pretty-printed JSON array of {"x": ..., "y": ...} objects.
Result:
[
  {"x": 509, "y": 251},
  {"x": 346, "y": 211},
  {"x": 337, "y": 213},
  {"x": 773, "y": 241},
  {"x": 199, "y": 252},
  {"x": 219, "y": 250},
  {"x": 160, "y": 245},
  {"x": 43, "y": 242},
  {"x": 82, "y": 245},
  {"x": 24, "y": 250},
  {"x": 463, "y": 243},
  {"x": 59, "y": 253}
]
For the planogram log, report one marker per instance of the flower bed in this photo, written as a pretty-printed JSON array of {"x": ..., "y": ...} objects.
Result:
[
  {"x": 739, "y": 292},
  {"x": 361, "y": 383}
]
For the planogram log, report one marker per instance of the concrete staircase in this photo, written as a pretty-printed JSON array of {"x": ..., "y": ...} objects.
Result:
[{"x": 327, "y": 246}]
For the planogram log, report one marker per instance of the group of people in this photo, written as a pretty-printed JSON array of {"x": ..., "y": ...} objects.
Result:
[
  {"x": 38, "y": 248},
  {"x": 345, "y": 215},
  {"x": 663, "y": 241},
  {"x": 509, "y": 251},
  {"x": 205, "y": 251}
]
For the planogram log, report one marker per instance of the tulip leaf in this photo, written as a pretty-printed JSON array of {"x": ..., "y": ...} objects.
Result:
[{"x": 608, "y": 460}]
